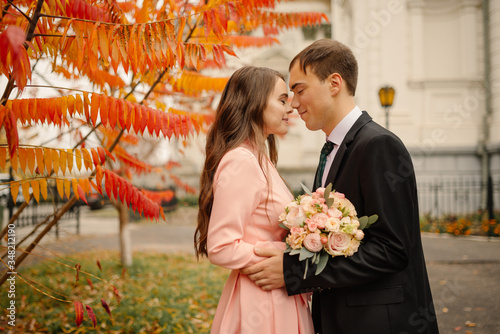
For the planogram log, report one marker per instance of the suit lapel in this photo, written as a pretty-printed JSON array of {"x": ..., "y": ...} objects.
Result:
[{"x": 332, "y": 173}]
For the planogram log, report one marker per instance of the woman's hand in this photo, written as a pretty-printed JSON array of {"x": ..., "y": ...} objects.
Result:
[{"x": 268, "y": 273}]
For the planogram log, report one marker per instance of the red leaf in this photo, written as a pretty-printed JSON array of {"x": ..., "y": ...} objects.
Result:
[
  {"x": 144, "y": 118},
  {"x": 108, "y": 183},
  {"x": 94, "y": 108},
  {"x": 89, "y": 282},
  {"x": 151, "y": 121},
  {"x": 91, "y": 315},
  {"x": 123, "y": 190},
  {"x": 137, "y": 119},
  {"x": 95, "y": 157},
  {"x": 103, "y": 106},
  {"x": 117, "y": 295},
  {"x": 13, "y": 55},
  {"x": 106, "y": 307},
  {"x": 122, "y": 111},
  {"x": 102, "y": 155},
  {"x": 78, "y": 313},
  {"x": 10, "y": 124},
  {"x": 81, "y": 193},
  {"x": 112, "y": 111}
]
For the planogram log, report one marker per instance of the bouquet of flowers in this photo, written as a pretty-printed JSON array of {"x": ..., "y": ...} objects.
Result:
[{"x": 322, "y": 224}]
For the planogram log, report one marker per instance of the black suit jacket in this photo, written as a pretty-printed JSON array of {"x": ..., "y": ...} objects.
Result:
[{"x": 383, "y": 288}]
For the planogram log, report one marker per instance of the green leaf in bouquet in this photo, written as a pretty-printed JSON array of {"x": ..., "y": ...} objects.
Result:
[
  {"x": 318, "y": 257},
  {"x": 306, "y": 269},
  {"x": 372, "y": 219},
  {"x": 305, "y": 254},
  {"x": 283, "y": 226},
  {"x": 323, "y": 260},
  {"x": 305, "y": 188},
  {"x": 363, "y": 222},
  {"x": 328, "y": 190},
  {"x": 295, "y": 251}
]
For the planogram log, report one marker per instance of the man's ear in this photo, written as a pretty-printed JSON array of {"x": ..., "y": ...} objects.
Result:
[{"x": 335, "y": 82}]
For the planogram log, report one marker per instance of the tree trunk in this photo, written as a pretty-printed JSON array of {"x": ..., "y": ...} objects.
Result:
[{"x": 125, "y": 242}]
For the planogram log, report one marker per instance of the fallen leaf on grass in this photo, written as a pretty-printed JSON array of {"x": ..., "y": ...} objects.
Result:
[{"x": 470, "y": 324}]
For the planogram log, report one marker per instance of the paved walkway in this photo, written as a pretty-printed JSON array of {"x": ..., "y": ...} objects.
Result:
[{"x": 464, "y": 271}]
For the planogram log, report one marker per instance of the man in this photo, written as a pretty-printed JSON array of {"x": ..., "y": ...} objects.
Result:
[{"x": 383, "y": 288}]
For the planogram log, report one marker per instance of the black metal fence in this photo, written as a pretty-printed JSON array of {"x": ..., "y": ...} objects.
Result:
[
  {"x": 457, "y": 196},
  {"x": 35, "y": 213}
]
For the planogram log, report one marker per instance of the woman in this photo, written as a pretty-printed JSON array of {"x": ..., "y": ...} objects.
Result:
[{"x": 241, "y": 198}]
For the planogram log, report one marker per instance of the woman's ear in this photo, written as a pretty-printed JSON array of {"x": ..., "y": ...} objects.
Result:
[{"x": 335, "y": 82}]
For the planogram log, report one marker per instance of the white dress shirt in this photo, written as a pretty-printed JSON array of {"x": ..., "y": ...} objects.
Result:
[{"x": 337, "y": 137}]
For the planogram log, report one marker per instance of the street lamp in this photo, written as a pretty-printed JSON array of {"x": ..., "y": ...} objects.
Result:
[{"x": 386, "y": 95}]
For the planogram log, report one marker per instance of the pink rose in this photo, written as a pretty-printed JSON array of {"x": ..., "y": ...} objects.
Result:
[
  {"x": 311, "y": 225},
  {"x": 355, "y": 223},
  {"x": 320, "y": 220},
  {"x": 335, "y": 213},
  {"x": 312, "y": 242},
  {"x": 320, "y": 192},
  {"x": 339, "y": 195},
  {"x": 307, "y": 204},
  {"x": 295, "y": 238},
  {"x": 359, "y": 235},
  {"x": 332, "y": 225},
  {"x": 296, "y": 216},
  {"x": 324, "y": 240},
  {"x": 324, "y": 208},
  {"x": 338, "y": 242},
  {"x": 352, "y": 248}
]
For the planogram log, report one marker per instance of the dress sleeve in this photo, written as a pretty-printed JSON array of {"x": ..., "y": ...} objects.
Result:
[{"x": 239, "y": 186}]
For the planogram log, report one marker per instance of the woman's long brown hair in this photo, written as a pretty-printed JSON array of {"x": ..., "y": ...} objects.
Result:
[{"x": 239, "y": 117}]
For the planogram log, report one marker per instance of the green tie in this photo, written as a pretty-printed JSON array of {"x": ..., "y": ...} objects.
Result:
[{"x": 327, "y": 149}]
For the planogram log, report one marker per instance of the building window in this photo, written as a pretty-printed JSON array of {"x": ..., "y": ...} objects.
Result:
[{"x": 317, "y": 32}]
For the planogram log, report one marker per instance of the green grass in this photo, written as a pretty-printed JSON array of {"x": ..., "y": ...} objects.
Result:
[{"x": 159, "y": 294}]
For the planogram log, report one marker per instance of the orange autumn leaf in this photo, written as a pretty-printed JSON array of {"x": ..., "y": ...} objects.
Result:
[
  {"x": 3, "y": 157},
  {"x": 26, "y": 191},
  {"x": 60, "y": 187},
  {"x": 55, "y": 161},
  {"x": 43, "y": 188},
  {"x": 67, "y": 189},
  {"x": 70, "y": 157},
  {"x": 87, "y": 160},
  {"x": 47, "y": 159},
  {"x": 39, "y": 159},
  {"x": 35, "y": 186},
  {"x": 22, "y": 155},
  {"x": 78, "y": 158},
  {"x": 14, "y": 190},
  {"x": 31, "y": 160},
  {"x": 63, "y": 158}
]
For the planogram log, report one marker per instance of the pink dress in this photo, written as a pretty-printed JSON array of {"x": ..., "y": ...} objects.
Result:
[{"x": 240, "y": 220}]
